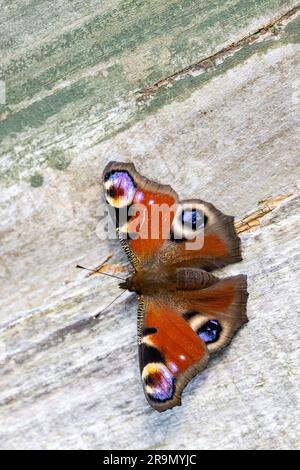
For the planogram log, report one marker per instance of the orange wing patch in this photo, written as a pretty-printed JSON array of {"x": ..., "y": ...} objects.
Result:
[
  {"x": 144, "y": 210},
  {"x": 154, "y": 219},
  {"x": 215, "y": 299},
  {"x": 213, "y": 246},
  {"x": 178, "y": 343},
  {"x": 171, "y": 353}
]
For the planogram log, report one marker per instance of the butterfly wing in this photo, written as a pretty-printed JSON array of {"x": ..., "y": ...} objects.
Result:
[
  {"x": 170, "y": 352},
  {"x": 131, "y": 196},
  {"x": 178, "y": 332},
  {"x": 149, "y": 216},
  {"x": 220, "y": 243},
  {"x": 216, "y": 312}
]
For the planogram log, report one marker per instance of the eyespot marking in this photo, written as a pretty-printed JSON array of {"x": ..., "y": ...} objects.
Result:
[
  {"x": 189, "y": 222},
  {"x": 193, "y": 218},
  {"x": 210, "y": 331},
  {"x": 159, "y": 382},
  {"x": 120, "y": 188},
  {"x": 189, "y": 315}
]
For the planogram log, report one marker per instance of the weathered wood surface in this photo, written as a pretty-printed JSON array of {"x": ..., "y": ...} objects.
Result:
[{"x": 200, "y": 94}]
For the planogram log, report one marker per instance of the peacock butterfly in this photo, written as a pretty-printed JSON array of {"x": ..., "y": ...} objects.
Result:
[{"x": 185, "y": 312}]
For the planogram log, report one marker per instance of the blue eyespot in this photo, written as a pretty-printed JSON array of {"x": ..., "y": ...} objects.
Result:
[
  {"x": 210, "y": 332},
  {"x": 193, "y": 218},
  {"x": 159, "y": 382},
  {"x": 120, "y": 188}
]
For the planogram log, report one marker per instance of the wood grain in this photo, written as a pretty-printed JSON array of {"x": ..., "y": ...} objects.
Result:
[{"x": 200, "y": 94}]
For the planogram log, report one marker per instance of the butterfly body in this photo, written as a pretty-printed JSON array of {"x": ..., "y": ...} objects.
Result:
[
  {"x": 185, "y": 312},
  {"x": 153, "y": 282}
]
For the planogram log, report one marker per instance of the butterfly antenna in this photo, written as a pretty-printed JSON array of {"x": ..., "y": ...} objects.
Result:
[
  {"x": 99, "y": 272},
  {"x": 107, "y": 306}
]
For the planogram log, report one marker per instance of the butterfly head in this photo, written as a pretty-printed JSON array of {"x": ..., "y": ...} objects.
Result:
[
  {"x": 129, "y": 284},
  {"x": 138, "y": 282}
]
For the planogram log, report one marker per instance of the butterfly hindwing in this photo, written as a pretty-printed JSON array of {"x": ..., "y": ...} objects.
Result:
[
  {"x": 177, "y": 333},
  {"x": 170, "y": 353},
  {"x": 216, "y": 312}
]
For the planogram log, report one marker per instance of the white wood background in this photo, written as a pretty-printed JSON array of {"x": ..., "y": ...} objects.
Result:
[{"x": 223, "y": 128}]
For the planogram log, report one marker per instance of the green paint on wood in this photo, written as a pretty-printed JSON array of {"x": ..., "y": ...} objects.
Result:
[
  {"x": 182, "y": 89},
  {"x": 85, "y": 73},
  {"x": 293, "y": 31},
  {"x": 58, "y": 160},
  {"x": 36, "y": 180}
]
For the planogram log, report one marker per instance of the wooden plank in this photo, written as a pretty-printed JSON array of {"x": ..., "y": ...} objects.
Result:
[
  {"x": 82, "y": 386},
  {"x": 196, "y": 94},
  {"x": 227, "y": 132},
  {"x": 69, "y": 87}
]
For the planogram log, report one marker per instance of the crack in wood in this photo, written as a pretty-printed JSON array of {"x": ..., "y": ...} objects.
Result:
[
  {"x": 271, "y": 29},
  {"x": 253, "y": 220}
]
